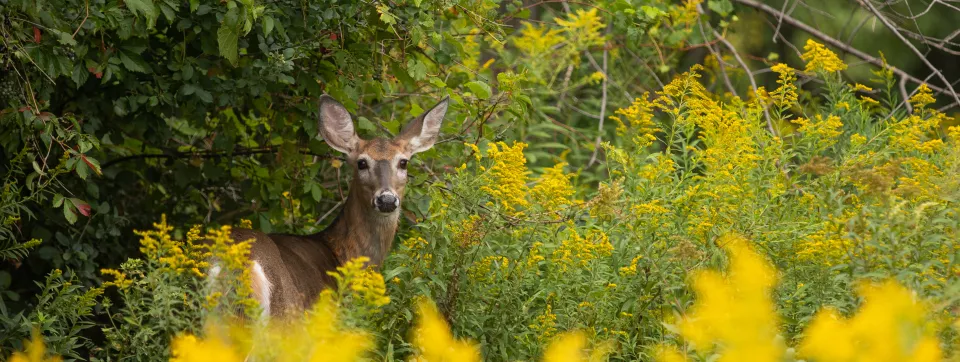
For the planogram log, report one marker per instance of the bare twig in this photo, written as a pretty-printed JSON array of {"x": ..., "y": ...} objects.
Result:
[
  {"x": 84, "y": 21},
  {"x": 839, "y": 44},
  {"x": 716, "y": 54},
  {"x": 905, "y": 94},
  {"x": 332, "y": 209},
  {"x": 916, "y": 51},
  {"x": 603, "y": 109}
]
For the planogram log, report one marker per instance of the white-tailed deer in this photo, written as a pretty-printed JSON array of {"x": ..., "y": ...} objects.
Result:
[{"x": 290, "y": 271}]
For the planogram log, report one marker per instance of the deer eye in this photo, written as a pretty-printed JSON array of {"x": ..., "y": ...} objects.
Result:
[
  {"x": 402, "y": 165},
  {"x": 362, "y": 165}
]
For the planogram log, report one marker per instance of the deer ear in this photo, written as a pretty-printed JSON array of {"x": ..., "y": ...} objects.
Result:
[
  {"x": 336, "y": 126},
  {"x": 422, "y": 132}
]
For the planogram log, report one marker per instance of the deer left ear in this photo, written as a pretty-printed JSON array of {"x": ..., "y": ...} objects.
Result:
[{"x": 422, "y": 132}]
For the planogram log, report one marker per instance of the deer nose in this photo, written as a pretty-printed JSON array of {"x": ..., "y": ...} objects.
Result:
[{"x": 386, "y": 202}]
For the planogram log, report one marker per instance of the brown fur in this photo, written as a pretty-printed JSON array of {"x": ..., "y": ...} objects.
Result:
[{"x": 296, "y": 267}]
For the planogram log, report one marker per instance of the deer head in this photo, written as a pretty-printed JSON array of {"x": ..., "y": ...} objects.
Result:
[{"x": 379, "y": 164}]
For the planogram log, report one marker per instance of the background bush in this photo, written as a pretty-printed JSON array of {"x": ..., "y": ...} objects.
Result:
[{"x": 594, "y": 156}]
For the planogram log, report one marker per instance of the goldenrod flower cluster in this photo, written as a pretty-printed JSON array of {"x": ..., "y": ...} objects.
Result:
[
  {"x": 174, "y": 255},
  {"x": 553, "y": 190},
  {"x": 583, "y": 27},
  {"x": 367, "y": 284},
  {"x": 483, "y": 270},
  {"x": 824, "y": 132},
  {"x": 506, "y": 181},
  {"x": 821, "y": 59},
  {"x": 786, "y": 93},
  {"x": 578, "y": 251}
]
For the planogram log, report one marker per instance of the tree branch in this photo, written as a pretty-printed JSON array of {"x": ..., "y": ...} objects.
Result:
[
  {"x": 838, "y": 44},
  {"x": 886, "y": 22},
  {"x": 205, "y": 154}
]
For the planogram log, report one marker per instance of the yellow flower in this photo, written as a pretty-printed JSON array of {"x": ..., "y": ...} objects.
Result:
[
  {"x": 475, "y": 149},
  {"x": 890, "y": 326},
  {"x": 188, "y": 348},
  {"x": 819, "y": 58},
  {"x": 553, "y": 190},
  {"x": 571, "y": 347},
  {"x": 954, "y": 133},
  {"x": 434, "y": 342},
  {"x": 546, "y": 326},
  {"x": 367, "y": 284},
  {"x": 483, "y": 270},
  {"x": 735, "y": 314},
  {"x": 857, "y": 140},
  {"x": 506, "y": 181},
  {"x": 823, "y": 132},
  {"x": 669, "y": 354},
  {"x": 35, "y": 351},
  {"x": 923, "y": 97},
  {"x": 576, "y": 250},
  {"x": 869, "y": 102},
  {"x": 583, "y": 27},
  {"x": 786, "y": 94},
  {"x": 912, "y": 133},
  {"x": 860, "y": 87},
  {"x": 632, "y": 268},
  {"x": 537, "y": 40},
  {"x": 566, "y": 348},
  {"x": 120, "y": 279}
]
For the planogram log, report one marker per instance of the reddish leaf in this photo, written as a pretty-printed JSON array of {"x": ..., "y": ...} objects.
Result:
[
  {"x": 93, "y": 165},
  {"x": 82, "y": 206},
  {"x": 36, "y": 35},
  {"x": 98, "y": 75}
]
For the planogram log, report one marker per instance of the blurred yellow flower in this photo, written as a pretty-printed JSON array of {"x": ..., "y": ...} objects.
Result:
[
  {"x": 35, "y": 351},
  {"x": 434, "y": 342},
  {"x": 890, "y": 326},
  {"x": 734, "y": 314}
]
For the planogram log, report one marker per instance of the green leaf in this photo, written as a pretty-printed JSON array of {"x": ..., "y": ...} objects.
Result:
[
  {"x": 722, "y": 7},
  {"x": 57, "y": 200},
  {"x": 316, "y": 192},
  {"x": 365, "y": 124},
  {"x": 68, "y": 213},
  {"x": 480, "y": 89},
  {"x": 82, "y": 170},
  {"x": 228, "y": 35},
  {"x": 134, "y": 62},
  {"x": 417, "y": 69},
  {"x": 267, "y": 25},
  {"x": 145, "y": 8},
  {"x": 204, "y": 96},
  {"x": 80, "y": 75}
]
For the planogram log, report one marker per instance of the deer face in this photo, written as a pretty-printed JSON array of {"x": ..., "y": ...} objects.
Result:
[{"x": 379, "y": 164}]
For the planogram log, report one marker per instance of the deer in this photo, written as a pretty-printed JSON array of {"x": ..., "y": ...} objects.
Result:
[{"x": 288, "y": 272}]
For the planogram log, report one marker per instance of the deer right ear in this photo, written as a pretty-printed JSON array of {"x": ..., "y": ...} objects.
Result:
[{"x": 336, "y": 126}]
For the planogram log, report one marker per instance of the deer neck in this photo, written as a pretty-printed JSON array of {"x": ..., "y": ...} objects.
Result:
[{"x": 359, "y": 230}]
